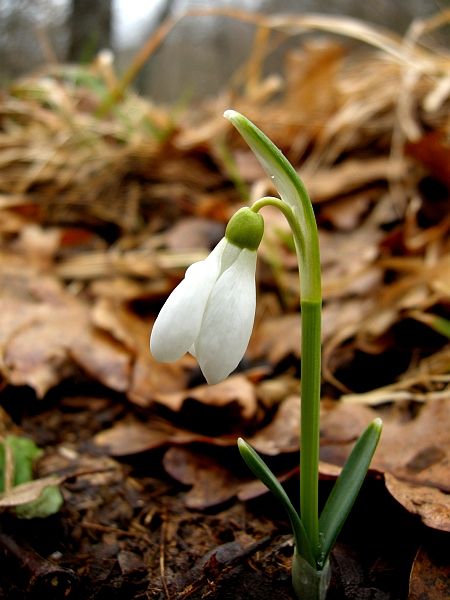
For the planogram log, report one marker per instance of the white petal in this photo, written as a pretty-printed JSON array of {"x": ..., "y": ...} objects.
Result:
[
  {"x": 228, "y": 320},
  {"x": 179, "y": 321},
  {"x": 229, "y": 256}
]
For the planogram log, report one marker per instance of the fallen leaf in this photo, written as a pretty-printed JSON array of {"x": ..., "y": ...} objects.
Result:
[
  {"x": 417, "y": 451},
  {"x": 147, "y": 376},
  {"x": 194, "y": 232},
  {"x": 347, "y": 261},
  {"x": 434, "y": 152},
  {"x": 283, "y": 432},
  {"x": 39, "y": 245},
  {"x": 430, "y": 573},
  {"x": 346, "y": 213},
  {"x": 341, "y": 423},
  {"x": 276, "y": 338},
  {"x": 431, "y": 504},
  {"x": 412, "y": 453},
  {"x": 45, "y": 334},
  {"x": 131, "y": 437},
  {"x": 249, "y": 490},
  {"x": 211, "y": 482},
  {"x": 236, "y": 391},
  {"x": 28, "y": 492}
]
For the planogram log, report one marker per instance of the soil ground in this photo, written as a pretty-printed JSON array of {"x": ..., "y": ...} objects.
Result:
[{"x": 124, "y": 531}]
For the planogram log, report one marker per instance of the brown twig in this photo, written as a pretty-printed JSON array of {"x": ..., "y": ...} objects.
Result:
[{"x": 38, "y": 576}]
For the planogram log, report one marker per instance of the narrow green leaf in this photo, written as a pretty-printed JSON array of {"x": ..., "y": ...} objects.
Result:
[
  {"x": 262, "y": 471},
  {"x": 275, "y": 164},
  {"x": 346, "y": 489},
  {"x": 294, "y": 194}
]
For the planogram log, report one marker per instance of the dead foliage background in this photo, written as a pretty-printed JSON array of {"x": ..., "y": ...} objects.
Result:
[{"x": 105, "y": 199}]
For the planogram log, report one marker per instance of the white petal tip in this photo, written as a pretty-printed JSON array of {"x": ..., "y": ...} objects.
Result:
[{"x": 162, "y": 352}]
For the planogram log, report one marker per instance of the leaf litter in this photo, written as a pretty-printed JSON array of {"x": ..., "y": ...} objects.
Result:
[{"x": 106, "y": 199}]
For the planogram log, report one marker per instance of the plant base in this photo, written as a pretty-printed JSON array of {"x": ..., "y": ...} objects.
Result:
[{"x": 308, "y": 583}]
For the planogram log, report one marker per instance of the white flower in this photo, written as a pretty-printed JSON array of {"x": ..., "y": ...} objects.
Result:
[{"x": 211, "y": 313}]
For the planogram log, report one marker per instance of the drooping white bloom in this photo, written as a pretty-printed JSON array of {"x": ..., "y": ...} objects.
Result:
[{"x": 211, "y": 313}]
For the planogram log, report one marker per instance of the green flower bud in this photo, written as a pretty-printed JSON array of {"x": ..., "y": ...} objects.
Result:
[{"x": 245, "y": 229}]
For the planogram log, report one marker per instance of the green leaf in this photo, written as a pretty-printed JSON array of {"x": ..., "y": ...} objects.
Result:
[
  {"x": 48, "y": 503},
  {"x": 25, "y": 453},
  {"x": 294, "y": 194},
  {"x": 346, "y": 489},
  {"x": 275, "y": 164},
  {"x": 262, "y": 471}
]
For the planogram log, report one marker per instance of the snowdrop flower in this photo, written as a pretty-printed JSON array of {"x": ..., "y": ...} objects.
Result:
[{"x": 211, "y": 313}]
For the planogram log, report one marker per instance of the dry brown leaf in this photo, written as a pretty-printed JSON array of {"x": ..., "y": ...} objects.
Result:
[
  {"x": 340, "y": 423},
  {"x": 342, "y": 318},
  {"x": 431, "y": 504},
  {"x": 347, "y": 261},
  {"x": 39, "y": 245},
  {"x": 236, "y": 390},
  {"x": 412, "y": 449},
  {"x": 212, "y": 483},
  {"x": 272, "y": 391},
  {"x": 95, "y": 470},
  {"x": 412, "y": 453},
  {"x": 43, "y": 339},
  {"x": 430, "y": 574},
  {"x": 147, "y": 377},
  {"x": 131, "y": 437},
  {"x": 318, "y": 61},
  {"x": 27, "y": 492},
  {"x": 432, "y": 150},
  {"x": 52, "y": 335},
  {"x": 417, "y": 451},
  {"x": 194, "y": 232},
  {"x": 276, "y": 338},
  {"x": 283, "y": 432},
  {"x": 345, "y": 214},
  {"x": 126, "y": 438}
]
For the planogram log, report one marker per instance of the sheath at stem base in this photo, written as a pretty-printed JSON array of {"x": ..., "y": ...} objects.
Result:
[{"x": 308, "y": 583}]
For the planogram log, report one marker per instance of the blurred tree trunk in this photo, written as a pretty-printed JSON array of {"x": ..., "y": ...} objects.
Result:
[{"x": 90, "y": 28}]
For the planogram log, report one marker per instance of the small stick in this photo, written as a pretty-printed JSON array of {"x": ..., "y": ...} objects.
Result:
[{"x": 33, "y": 573}]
